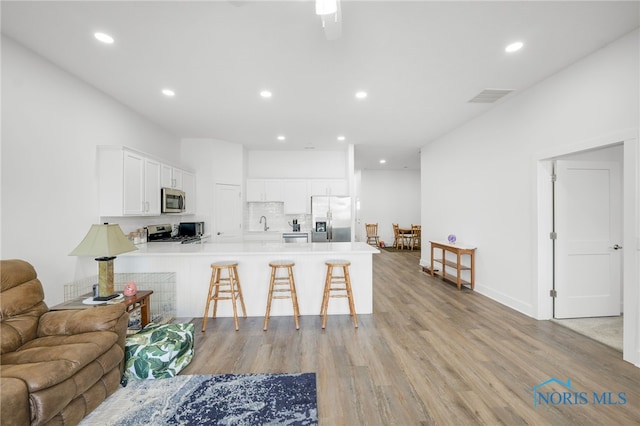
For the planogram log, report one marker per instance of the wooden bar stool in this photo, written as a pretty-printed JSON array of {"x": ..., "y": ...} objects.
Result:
[
  {"x": 229, "y": 285},
  {"x": 341, "y": 285},
  {"x": 281, "y": 284}
]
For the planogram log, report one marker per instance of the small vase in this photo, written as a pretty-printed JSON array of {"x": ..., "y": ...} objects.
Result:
[{"x": 130, "y": 289}]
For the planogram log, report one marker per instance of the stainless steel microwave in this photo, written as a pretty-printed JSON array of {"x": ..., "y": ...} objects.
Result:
[{"x": 173, "y": 200}]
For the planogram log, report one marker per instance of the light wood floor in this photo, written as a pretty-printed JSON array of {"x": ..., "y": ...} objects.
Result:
[{"x": 429, "y": 354}]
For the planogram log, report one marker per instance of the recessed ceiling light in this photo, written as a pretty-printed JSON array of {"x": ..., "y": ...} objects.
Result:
[
  {"x": 168, "y": 93},
  {"x": 266, "y": 94},
  {"x": 281, "y": 138},
  {"x": 514, "y": 47},
  {"x": 105, "y": 38},
  {"x": 361, "y": 95},
  {"x": 341, "y": 138},
  {"x": 383, "y": 161}
]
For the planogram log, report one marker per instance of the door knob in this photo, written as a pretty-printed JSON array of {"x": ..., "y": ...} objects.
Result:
[
  {"x": 617, "y": 247},
  {"x": 219, "y": 233}
]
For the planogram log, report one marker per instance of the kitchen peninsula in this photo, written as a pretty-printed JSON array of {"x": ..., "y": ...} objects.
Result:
[{"x": 191, "y": 263}]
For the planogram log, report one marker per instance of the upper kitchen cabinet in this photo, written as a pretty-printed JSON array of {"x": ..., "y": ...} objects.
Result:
[
  {"x": 265, "y": 190},
  {"x": 296, "y": 197},
  {"x": 329, "y": 187},
  {"x": 172, "y": 177},
  {"x": 129, "y": 183}
]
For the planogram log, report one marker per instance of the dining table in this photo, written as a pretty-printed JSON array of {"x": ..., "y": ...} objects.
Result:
[{"x": 406, "y": 236}]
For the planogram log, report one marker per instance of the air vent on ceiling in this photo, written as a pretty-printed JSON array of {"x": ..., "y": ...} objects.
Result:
[{"x": 489, "y": 96}]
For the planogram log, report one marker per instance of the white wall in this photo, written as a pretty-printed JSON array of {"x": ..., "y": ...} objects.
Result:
[
  {"x": 388, "y": 197},
  {"x": 298, "y": 164},
  {"x": 51, "y": 125},
  {"x": 479, "y": 181}
]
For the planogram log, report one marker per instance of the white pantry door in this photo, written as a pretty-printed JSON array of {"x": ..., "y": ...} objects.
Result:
[
  {"x": 588, "y": 224},
  {"x": 228, "y": 214}
]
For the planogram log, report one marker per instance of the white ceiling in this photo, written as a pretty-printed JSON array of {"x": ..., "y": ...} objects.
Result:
[{"x": 419, "y": 61}]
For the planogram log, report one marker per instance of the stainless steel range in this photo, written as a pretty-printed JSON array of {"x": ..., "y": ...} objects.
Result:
[{"x": 163, "y": 234}]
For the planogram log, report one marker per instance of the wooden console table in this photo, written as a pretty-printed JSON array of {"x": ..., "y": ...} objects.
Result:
[
  {"x": 459, "y": 251},
  {"x": 138, "y": 301}
]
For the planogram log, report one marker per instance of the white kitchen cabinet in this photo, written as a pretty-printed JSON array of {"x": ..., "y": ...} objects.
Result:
[
  {"x": 296, "y": 197},
  {"x": 152, "y": 191},
  {"x": 189, "y": 187},
  {"x": 132, "y": 184},
  {"x": 265, "y": 190},
  {"x": 172, "y": 177},
  {"x": 328, "y": 187},
  {"x": 128, "y": 183}
]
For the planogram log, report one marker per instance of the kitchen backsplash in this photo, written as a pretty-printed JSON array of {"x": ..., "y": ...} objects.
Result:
[{"x": 276, "y": 219}]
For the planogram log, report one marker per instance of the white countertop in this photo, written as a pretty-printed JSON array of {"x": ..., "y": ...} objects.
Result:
[{"x": 248, "y": 247}]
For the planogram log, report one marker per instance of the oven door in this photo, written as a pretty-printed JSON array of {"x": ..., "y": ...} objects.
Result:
[{"x": 173, "y": 200}]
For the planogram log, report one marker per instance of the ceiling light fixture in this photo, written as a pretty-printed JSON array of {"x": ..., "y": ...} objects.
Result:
[
  {"x": 383, "y": 161},
  {"x": 361, "y": 95},
  {"x": 105, "y": 38},
  {"x": 514, "y": 47},
  {"x": 326, "y": 7},
  {"x": 266, "y": 94},
  {"x": 341, "y": 138},
  {"x": 281, "y": 138},
  {"x": 168, "y": 93}
]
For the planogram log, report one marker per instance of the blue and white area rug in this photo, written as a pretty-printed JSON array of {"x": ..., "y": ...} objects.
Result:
[{"x": 226, "y": 399}]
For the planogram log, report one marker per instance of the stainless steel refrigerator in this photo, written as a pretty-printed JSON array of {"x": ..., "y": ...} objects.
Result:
[{"x": 331, "y": 218}]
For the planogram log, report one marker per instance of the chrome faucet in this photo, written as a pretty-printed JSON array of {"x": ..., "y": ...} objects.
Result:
[{"x": 265, "y": 222}]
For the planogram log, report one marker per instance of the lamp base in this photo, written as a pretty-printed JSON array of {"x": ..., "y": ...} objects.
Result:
[{"x": 105, "y": 276}]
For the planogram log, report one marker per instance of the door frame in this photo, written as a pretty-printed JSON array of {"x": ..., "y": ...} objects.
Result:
[{"x": 631, "y": 261}]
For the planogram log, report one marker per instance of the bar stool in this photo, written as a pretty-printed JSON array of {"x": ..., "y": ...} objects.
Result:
[
  {"x": 280, "y": 284},
  {"x": 341, "y": 285},
  {"x": 224, "y": 285}
]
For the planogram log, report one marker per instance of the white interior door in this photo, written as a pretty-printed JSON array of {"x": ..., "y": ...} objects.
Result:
[
  {"x": 588, "y": 224},
  {"x": 228, "y": 213}
]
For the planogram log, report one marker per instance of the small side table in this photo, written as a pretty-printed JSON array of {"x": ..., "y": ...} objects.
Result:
[
  {"x": 138, "y": 301},
  {"x": 459, "y": 251}
]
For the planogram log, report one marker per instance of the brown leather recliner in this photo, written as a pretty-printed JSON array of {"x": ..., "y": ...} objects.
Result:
[{"x": 55, "y": 367}]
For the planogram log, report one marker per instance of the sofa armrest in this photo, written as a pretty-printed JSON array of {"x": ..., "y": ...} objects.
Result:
[
  {"x": 69, "y": 322},
  {"x": 15, "y": 402}
]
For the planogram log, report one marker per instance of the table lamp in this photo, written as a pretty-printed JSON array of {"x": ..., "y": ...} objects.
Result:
[{"x": 104, "y": 241}]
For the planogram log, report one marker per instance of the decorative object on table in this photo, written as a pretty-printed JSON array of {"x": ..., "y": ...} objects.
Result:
[
  {"x": 451, "y": 238},
  {"x": 159, "y": 351},
  {"x": 222, "y": 399},
  {"x": 110, "y": 300},
  {"x": 104, "y": 241},
  {"x": 130, "y": 289}
]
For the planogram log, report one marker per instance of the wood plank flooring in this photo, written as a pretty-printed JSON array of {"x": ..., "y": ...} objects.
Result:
[{"x": 429, "y": 354}]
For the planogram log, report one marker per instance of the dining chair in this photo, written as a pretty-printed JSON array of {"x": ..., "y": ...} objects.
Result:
[
  {"x": 372, "y": 234},
  {"x": 416, "y": 234},
  {"x": 398, "y": 240}
]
